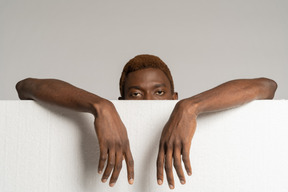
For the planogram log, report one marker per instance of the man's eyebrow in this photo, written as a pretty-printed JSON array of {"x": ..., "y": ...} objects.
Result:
[
  {"x": 154, "y": 86},
  {"x": 134, "y": 87},
  {"x": 160, "y": 85}
]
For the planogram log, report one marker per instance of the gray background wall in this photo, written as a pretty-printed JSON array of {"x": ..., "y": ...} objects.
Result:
[{"x": 87, "y": 42}]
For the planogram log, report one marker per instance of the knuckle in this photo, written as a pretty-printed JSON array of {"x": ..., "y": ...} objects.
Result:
[
  {"x": 118, "y": 167},
  {"x": 113, "y": 179},
  {"x": 131, "y": 173},
  {"x": 185, "y": 158},
  {"x": 169, "y": 145},
  {"x": 186, "y": 141},
  {"x": 187, "y": 167},
  {"x": 111, "y": 164},
  {"x": 177, "y": 144},
  {"x": 159, "y": 174},
  {"x": 103, "y": 158},
  {"x": 130, "y": 163},
  {"x": 170, "y": 180},
  {"x": 118, "y": 145},
  {"x": 177, "y": 165},
  {"x": 161, "y": 144},
  {"x": 168, "y": 168},
  {"x": 105, "y": 175},
  {"x": 159, "y": 163},
  {"x": 126, "y": 144}
]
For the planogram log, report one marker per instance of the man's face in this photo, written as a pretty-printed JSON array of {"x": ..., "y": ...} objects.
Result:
[{"x": 148, "y": 84}]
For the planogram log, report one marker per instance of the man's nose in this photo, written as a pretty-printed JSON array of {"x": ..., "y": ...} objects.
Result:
[{"x": 149, "y": 97}]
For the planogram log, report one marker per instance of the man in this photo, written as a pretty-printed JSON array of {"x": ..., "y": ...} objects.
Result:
[{"x": 146, "y": 77}]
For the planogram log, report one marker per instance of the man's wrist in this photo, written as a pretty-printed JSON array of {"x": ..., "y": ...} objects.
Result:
[
  {"x": 189, "y": 106},
  {"x": 101, "y": 106}
]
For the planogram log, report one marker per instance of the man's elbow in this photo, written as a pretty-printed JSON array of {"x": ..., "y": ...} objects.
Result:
[
  {"x": 270, "y": 87},
  {"x": 20, "y": 87}
]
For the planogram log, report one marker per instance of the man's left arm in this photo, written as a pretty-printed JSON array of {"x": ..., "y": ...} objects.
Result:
[{"x": 178, "y": 132}]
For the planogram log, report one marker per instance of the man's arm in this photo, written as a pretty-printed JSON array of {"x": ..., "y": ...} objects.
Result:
[
  {"x": 111, "y": 132},
  {"x": 178, "y": 132}
]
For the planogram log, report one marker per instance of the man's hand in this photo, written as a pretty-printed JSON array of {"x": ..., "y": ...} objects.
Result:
[
  {"x": 111, "y": 133},
  {"x": 176, "y": 141},
  {"x": 114, "y": 144}
]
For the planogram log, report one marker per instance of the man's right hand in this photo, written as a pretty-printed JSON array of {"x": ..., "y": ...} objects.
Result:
[
  {"x": 113, "y": 142},
  {"x": 111, "y": 132}
]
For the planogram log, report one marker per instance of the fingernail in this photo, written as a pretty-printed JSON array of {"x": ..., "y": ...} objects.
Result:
[
  {"x": 171, "y": 186},
  {"x": 104, "y": 180},
  {"x": 189, "y": 173},
  {"x": 159, "y": 182},
  {"x": 112, "y": 184},
  {"x": 131, "y": 181},
  {"x": 182, "y": 182},
  {"x": 99, "y": 171}
]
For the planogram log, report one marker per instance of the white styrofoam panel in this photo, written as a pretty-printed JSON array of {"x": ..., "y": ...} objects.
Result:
[{"x": 47, "y": 148}]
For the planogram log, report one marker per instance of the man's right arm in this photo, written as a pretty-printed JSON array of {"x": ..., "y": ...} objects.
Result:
[{"x": 111, "y": 132}]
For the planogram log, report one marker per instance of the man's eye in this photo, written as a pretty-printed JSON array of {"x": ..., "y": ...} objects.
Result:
[
  {"x": 160, "y": 92},
  {"x": 135, "y": 94}
]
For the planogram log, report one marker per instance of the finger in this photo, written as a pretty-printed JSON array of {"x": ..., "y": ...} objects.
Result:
[
  {"x": 186, "y": 159},
  {"x": 130, "y": 166},
  {"x": 168, "y": 168},
  {"x": 110, "y": 165},
  {"x": 117, "y": 169},
  {"x": 160, "y": 164},
  {"x": 102, "y": 159},
  {"x": 177, "y": 163}
]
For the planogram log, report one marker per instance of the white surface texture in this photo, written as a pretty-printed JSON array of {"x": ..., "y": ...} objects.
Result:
[{"x": 45, "y": 148}]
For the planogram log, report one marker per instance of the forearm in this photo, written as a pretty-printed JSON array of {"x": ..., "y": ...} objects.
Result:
[
  {"x": 111, "y": 132},
  {"x": 59, "y": 93},
  {"x": 231, "y": 94},
  {"x": 178, "y": 132}
]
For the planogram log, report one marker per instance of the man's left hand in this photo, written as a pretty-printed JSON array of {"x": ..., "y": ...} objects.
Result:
[{"x": 176, "y": 141}]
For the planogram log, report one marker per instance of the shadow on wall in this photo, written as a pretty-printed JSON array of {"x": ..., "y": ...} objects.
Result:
[{"x": 89, "y": 148}]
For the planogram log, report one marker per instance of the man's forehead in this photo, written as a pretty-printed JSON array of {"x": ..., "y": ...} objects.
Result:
[
  {"x": 149, "y": 74},
  {"x": 147, "y": 77},
  {"x": 153, "y": 85}
]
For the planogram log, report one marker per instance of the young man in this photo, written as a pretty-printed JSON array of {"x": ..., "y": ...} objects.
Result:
[{"x": 146, "y": 77}]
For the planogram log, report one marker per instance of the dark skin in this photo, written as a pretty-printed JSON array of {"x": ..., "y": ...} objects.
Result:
[{"x": 146, "y": 84}]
